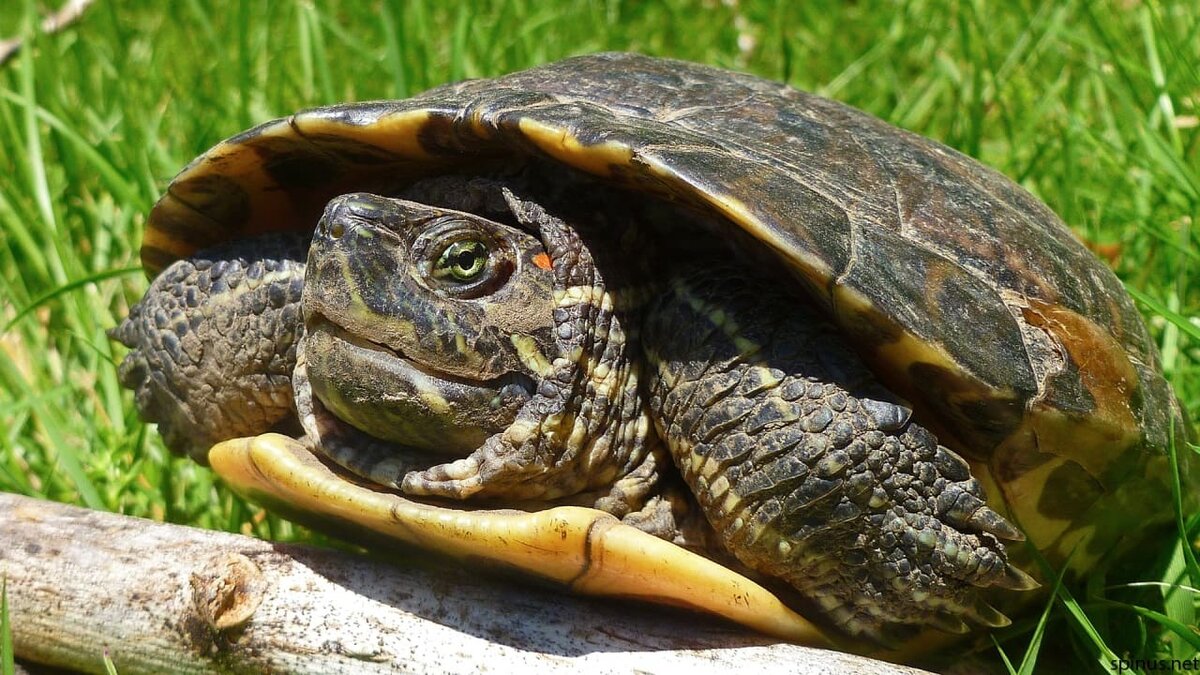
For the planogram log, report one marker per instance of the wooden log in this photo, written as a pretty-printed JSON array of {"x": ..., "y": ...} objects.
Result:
[{"x": 168, "y": 598}]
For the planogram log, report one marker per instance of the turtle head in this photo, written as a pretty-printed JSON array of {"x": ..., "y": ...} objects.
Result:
[{"x": 425, "y": 326}]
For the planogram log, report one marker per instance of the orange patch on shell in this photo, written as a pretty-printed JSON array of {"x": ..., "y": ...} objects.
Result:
[
  {"x": 542, "y": 260},
  {"x": 1107, "y": 374},
  {"x": 1071, "y": 452}
]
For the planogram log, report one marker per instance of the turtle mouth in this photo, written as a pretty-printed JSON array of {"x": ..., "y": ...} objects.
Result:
[
  {"x": 322, "y": 323},
  {"x": 390, "y": 396}
]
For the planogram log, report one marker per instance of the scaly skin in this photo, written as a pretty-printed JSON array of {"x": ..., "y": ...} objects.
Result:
[
  {"x": 213, "y": 343},
  {"x": 810, "y": 471}
]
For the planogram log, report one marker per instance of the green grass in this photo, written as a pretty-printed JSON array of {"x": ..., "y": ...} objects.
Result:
[{"x": 1091, "y": 106}]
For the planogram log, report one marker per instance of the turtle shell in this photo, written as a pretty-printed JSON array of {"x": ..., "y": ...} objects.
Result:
[{"x": 967, "y": 295}]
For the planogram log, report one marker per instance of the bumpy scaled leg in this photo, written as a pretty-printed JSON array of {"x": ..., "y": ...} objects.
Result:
[
  {"x": 213, "y": 342},
  {"x": 810, "y": 472}
]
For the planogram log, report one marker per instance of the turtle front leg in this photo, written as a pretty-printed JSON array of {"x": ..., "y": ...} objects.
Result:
[
  {"x": 585, "y": 428},
  {"x": 810, "y": 472},
  {"x": 213, "y": 342}
]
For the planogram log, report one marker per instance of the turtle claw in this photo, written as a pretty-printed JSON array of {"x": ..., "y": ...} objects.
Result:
[
  {"x": 986, "y": 615},
  {"x": 963, "y": 506},
  {"x": 948, "y": 623},
  {"x": 986, "y": 520},
  {"x": 454, "y": 480},
  {"x": 1016, "y": 580}
]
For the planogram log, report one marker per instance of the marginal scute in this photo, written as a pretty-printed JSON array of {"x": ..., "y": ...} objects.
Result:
[
  {"x": 176, "y": 233},
  {"x": 279, "y": 175},
  {"x": 1106, "y": 374},
  {"x": 389, "y": 137},
  {"x": 230, "y": 194},
  {"x": 559, "y": 143},
  {"x": 940, "y": 302},
  {"x": 215, "y": 197}
]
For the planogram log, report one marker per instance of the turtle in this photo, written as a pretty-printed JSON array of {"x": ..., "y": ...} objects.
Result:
[{"x": 649, "y": 328}]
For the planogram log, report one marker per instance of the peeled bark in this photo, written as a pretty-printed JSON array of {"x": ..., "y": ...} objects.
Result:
[{"x": 158, "y": 598}]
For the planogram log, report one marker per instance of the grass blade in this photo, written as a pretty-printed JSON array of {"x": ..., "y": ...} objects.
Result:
[
  {"x": 1180, "y": 321},
  {"x": 67, "y": 288}
]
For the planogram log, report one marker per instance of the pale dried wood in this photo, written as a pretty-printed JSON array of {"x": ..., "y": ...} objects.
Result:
[{"x": 167, "y": 598}]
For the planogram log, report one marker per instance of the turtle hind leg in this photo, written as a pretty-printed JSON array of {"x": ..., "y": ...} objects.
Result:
[
  {"x": 810, "y": 471},
  {"x": 212, "y": 343}
]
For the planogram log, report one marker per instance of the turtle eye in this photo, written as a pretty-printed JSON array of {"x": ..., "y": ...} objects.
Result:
[
  {"x": 462, "y": 261},
  {"x": 459, "y": 259}
]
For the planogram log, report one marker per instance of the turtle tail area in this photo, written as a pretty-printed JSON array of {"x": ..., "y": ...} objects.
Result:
[
  {"x": 212, "y": 343},
  {"x": 811, "y": 472}
]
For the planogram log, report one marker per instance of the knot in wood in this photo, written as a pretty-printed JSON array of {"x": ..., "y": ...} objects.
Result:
[{"x": 228, "y": 591}]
